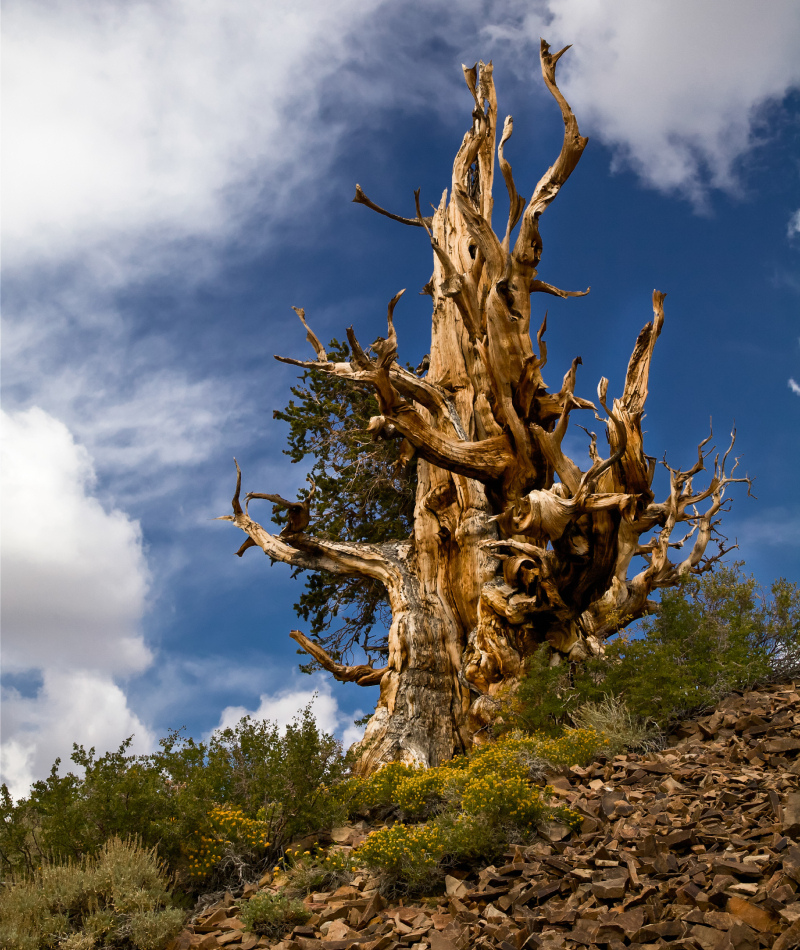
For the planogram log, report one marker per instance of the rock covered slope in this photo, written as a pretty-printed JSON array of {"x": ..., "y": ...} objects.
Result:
[{"x": 696, "y": 847}]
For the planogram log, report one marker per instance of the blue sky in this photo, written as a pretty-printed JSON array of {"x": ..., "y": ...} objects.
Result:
[{"x": 177, "y": 175}]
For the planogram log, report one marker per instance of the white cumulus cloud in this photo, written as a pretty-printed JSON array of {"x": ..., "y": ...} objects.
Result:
[
  {"x": 82, "y": 706},
  {"x": 74, "y": 574},
  {"x": 74, "y": 586}
]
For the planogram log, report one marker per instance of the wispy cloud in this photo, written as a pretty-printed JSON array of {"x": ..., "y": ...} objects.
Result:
[
  {"x": 142, "y": 406},
  {"x": 773, "y": 527},
  {"x": 134, "y": 118},
  {"x": 795, "y": 387}
]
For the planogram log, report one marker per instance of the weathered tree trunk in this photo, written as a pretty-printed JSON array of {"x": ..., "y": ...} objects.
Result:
[{"x": 514, "y": 546}]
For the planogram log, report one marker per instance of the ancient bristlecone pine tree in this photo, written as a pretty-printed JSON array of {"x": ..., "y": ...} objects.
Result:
[{"x": 514, "y": 545}]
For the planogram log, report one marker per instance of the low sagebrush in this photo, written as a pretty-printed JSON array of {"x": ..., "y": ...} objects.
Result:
[
  {"x": 120, "y": 898},
  {"x": 272, "y": 915}
]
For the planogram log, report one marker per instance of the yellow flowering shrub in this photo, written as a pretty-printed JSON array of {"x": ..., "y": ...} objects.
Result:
[
  {"x": 486, "y": 799},
  {"x": 227, "y": 831},
  {"x": 526, "y": 755},
  {"x": 469, "y": 837},
  {"x": 517, "y": 756},
  {"x": 337, "y": 863},
  {"x": 574, "y": 747},
  {"x": 506, "y": 757},
  {"x": 410, "y": 853},
  {"x": 422, "y": 787},
  {"x": 413, "y": 788},
  {"x": 377, "y": 789},
  {"x": 510, "y": 799}
]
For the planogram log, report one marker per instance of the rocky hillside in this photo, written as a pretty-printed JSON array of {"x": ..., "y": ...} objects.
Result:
[{"x": 697, "y": 847}]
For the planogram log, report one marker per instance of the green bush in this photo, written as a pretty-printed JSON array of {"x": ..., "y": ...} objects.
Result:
[
  {"x": 315, "y": 869},
  {"x": 272, "y": 915},
  {"x": 543, "y": 699},
  {"x": 713, "y": 634},
  {"x": 324, "y": 871},
  {"x": 284, "y": 781},
  {"x": 278, "y": 784},
  {"x": 67, "y": 817},
  {"x": 119, "y": 898}
]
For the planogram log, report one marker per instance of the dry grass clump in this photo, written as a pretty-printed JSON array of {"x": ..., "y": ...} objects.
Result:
[
  {"x": 622, "y": 730},
  {"x": 119, "y": 898}
]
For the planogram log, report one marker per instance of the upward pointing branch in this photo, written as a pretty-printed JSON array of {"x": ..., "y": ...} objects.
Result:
[
  {"x": 386, "y": 350},
  {"x": 515, "y": 200},
  {"x": 638, "y": 374},
  {"x": 527, "y": 250},
  {"x": 312, "y": 338}
]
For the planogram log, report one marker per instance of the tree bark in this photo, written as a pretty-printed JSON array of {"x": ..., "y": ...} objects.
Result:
[{"x": 514, "y": 546}]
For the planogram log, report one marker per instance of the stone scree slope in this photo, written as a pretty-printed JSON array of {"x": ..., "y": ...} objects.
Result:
[{"x": 695, "y": 848}]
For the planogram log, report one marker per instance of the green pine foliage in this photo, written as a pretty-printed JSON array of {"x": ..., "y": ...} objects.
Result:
[{"x": 364, "y": 493}]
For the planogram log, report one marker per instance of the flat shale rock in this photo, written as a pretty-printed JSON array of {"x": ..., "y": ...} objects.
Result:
[{"x": 693, "y": 848}]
